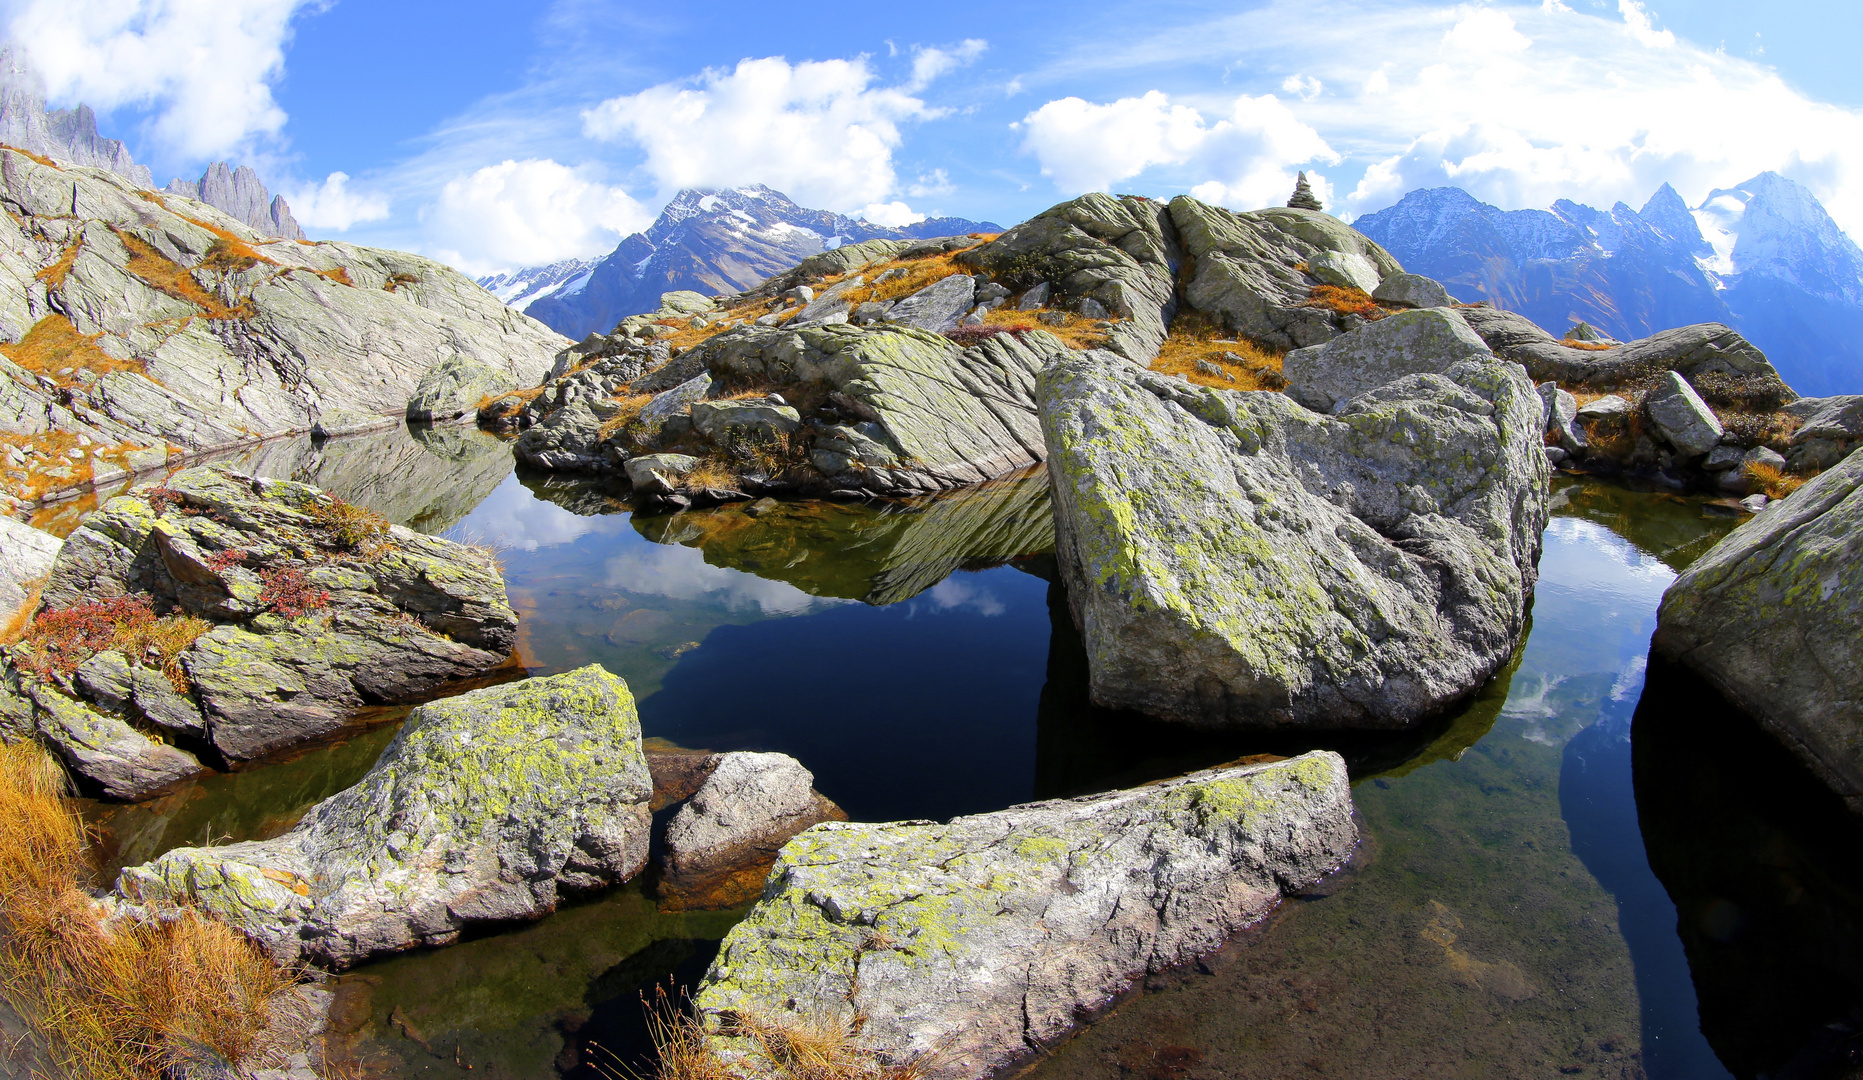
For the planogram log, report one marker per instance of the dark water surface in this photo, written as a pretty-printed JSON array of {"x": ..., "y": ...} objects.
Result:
[{"x": 1503, "y": 918}]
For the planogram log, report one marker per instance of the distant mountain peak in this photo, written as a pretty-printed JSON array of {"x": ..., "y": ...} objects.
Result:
[
  {"x": 68, "y": 135},
  {"x": 242, "y": 194}
]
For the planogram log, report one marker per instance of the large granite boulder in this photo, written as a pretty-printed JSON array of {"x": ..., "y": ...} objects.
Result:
[
  {"x": 1412, "y": 290},
  {"x": 453, "y": 388},
  {"x": 1772, "y": 616},
  {"x": 1694, "y": 352},
  {"x": 120, "y": 761},
  {"x": 162, "y": 322},
  {"x": 1408, "y": 343},
  {"x": 26, "y": 556},
  {"x": 1236, "y": 560},
  {"x": 316, "y": 608},
  {"x": 936, "y": 307},
  {"x": 968, "y": 946},
  {"x": 1683, "y": 420},
  {"x": 485, "y": 808},
  {"x": 721, "y": 842}
]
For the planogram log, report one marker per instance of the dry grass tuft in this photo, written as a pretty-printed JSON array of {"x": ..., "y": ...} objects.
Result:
[
  {"x": 40, "y": 158},
  {"x": 1078, "y": 331},
  {"x": 1774, "y": 481},
  {"x": 714, "y": 473},
  {"x": 1587, "y": 346},
  {"x": 340, "y": 275},
  {"x": 787, "y": 1049},
  {"x": 56, "y": 641},
  {"x": 631, "y": 405},
  {"x": 54, "y": 348},
  {"x": 122, "y": 1000},
  {"x": 230, "y": 256},
  {"x": 1345, "y": 302},
  {"x": 54, "y": 275},
  {"x": 165, "y": 275},
  {"x": 1194, "y": 339},
  {"x": 351, "y": 527},
  {"x": 395, "y": 282}
]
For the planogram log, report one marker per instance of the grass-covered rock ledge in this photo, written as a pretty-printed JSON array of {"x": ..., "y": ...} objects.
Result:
[
  {"x": 957, "y": 949},
  {"x": 223, "y": 616}
]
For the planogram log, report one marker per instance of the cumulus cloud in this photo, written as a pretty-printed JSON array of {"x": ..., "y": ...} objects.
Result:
[
  {"x": 893, "y": 215},
  {"x": 1304, "y": 87},
  {"x": 204, "y": 67},
  {"x": 822, "y": 131},
  {"x": 929, "y": 64},
  {"x": 332, "y": 205},
  {"x": 1643, "y": 26},
  {"x": 1244, "y": 159},
  {"x": 522, "y": 213}
]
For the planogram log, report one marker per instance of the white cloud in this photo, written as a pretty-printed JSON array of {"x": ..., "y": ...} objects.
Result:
[
  {"x": 204, "y": 67},
  {"x": 893, "y": 215},
  {"x": 1304, "y": 87},
  {"x": 936, "y": 182},
  {"x": 1642, "y": 25},
  {"x": 819, "y": 131},
  {"x": 929, "y": 64},
  {"x": 332, "y": 205},
  {"x": 1245, "y": 159},
  {"x": 1483, "y": 34},
  {"x": 523, "y": 213}
]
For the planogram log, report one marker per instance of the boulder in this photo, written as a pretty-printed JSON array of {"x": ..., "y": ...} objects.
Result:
[
  {"x": 1691, "y": 351},
  {"x": 26, "y": 556},
  {"x": 652, "y": 474},
  {"x": 569, "y": 439},
  {"x": 1346, "y": 269},
  {"x": 1561, "y": 418},
  {"x": 724, "y": 422},
  {"x": 1407, "y": 343},
  {"x": 937, "y": 306},
  {"x": 1609, "y": 408},
  {"x": 968, "y": 946},
  {"x": 1035, "y": 297},
  {"x": 486, "y": 808},
  {"x": 686, "y": 302},
  {"x": 1683, "y": 420},
  {"x": 123, "y": 763},
  {"x": 454, "y": 386},
  {"x": 829, "y": 305},
  {"x": 1235, "y": 560},
  {"x": 721, "y": 843},
  {"x": 1584, "y": 331},
  {"x": 1412, "y": 290},
  {"x": 317, "y": 608},
  {"x": 1833, "y": 418},
  {"x": 1772, "y": 616}
]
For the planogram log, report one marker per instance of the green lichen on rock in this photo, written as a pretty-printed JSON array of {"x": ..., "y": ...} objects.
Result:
[
  {"x": 1234, "y": 559},
  {"x": 1772, "y": 615},
  {"x": 990, "y": 934},
  {"x": 484, "y": 808}
]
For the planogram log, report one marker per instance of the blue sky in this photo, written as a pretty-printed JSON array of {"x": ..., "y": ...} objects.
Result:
[{"x": 499, "y": 135}]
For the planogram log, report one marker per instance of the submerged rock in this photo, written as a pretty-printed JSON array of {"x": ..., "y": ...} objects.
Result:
[
  {"x": 972, "y": 944},
  {"x": 721, "y": 843},
  {"x": 486, "y": 807},
  {"x": 1236, "y": 560},
  {"x": 1772, "y": 616},
  {"x": 316, "y": 608}
]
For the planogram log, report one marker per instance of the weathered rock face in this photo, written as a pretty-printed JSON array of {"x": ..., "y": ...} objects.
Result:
[
  {"x": 486, "y": 807},
  {"x": 26, "y": 556},
  {"x": 1246, "y": 268},
  {"x": 1690, "y": 351},
  {"x": 1772, "y": 616},
  {"x": 121, "y": 761},
  {"x": 975, "y": 943},
  {"x": 721, "y": 843},
  {"x": 1234, "y": 559},
  {"x": 453, "y": 387},
  {"x": 1408, "y": 343},
  {"x": 1683, "y": 419},
  {"x": 143, "y": 321},
  {"x": 316, "y": 613},
  {"x": 1413, "y": 290}
]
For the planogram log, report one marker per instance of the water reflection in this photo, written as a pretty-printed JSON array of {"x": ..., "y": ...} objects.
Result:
[{"x": 1760, "y": 858}]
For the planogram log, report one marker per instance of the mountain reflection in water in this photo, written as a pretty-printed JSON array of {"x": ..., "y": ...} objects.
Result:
[{"x": 1502, "y": 920}]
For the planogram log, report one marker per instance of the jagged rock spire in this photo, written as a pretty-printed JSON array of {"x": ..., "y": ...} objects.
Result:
[{"x": 1304, "y": 198}]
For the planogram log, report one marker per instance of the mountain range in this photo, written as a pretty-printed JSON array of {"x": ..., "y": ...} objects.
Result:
[
  {"x": 708, "y": 241},
  {"x": 70, "y": 135},
  {"x": 1763, "y": 256}
]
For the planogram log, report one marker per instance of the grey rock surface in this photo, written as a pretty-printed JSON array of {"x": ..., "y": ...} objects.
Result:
[
  {"x": 1772, "y": 616},
  {"x": 1681, "y": 417},
  {"x": 1562, "y": 418},
  {"x": 1235, "y": 560},
  {"x": 1407, "y": 343},
  {"x": 751, "y": 804},
  {"x": 968, "y": 946},
  {"x": 123, "y": 763},
  {"x": 1346, "y": 269},
  {"x": 401, "y": 613},
  {"x": 332, "y": 423},
  {"x": 1691, "y": 351},
  {"x": 1414, "y": 290},
  {"x": 213, "y": 343},
  {"x": 653, "y": 474},
  {"x": 569, "y": 439},
  {"x": 1839, "y": 417},
  {"x": 240, "y": 194},
  {"x": 486, "y": 807},
  {"x": 26, "y": 556},
  {"x": 937, "y": 306},
  {"x": 453, "y": 387}
]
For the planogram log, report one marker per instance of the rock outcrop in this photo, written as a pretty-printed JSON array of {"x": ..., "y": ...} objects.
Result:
[
  {"x": 970, "y": 945},
  {"x": 486, "y": 807},
  {"x": 305, "y": 609},
  {"x": 1772, "y": 616},
  {"x": 1690, "y": 351},
  {"x": 1233, "y": 559},
  {"x": 721, "y": 843},
  {"x": 1408, "y": 343},
  {"x": 453, "y": 388},
  {"x": 26, "y": 556},
  {"x": 133, "y": 322},
  {"x": 240, "y": 194}
]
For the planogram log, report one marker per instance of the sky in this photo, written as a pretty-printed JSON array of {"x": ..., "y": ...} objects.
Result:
[{"x": 494, "y": 136}]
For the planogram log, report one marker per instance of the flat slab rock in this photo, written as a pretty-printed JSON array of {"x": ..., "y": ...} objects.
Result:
[
  {"x": 1772, "y": 616},
  {"x": 485, "y": 808},
  {"x": 1236, "y": 560},
  {"x": 971, "y": 944}
]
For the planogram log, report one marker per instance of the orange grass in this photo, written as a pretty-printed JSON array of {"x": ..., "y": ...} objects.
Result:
[
  {"x": 54, "y": 275},
  {"x": 1193, "y": 340},
  {"x": 124, "y": 1000},
  {"x": 1344, "y": 301},
  {"x": 163, "y": 274},
  {"x": 1586, "y": 346},
  {"x": 54, "y": 348},
  {"x": 40, "y": 158},
  {"x": 631, "y": 405},
  {"x": 1078, "y": 331},
  {"x": 1774, "y": 481}
]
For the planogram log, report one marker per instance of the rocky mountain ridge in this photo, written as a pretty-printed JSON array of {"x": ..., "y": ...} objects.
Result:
[
  {"x": 242, "y": 194},
  {"x": 707, "y": 241},
  {"x": 1763, "y": 257}
]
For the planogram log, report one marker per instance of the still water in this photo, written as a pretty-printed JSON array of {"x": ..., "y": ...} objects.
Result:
[{"x": 1502, "y": 919}]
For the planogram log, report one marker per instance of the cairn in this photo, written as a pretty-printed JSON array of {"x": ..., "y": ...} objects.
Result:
[{"x": 1304, "y": 198}]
